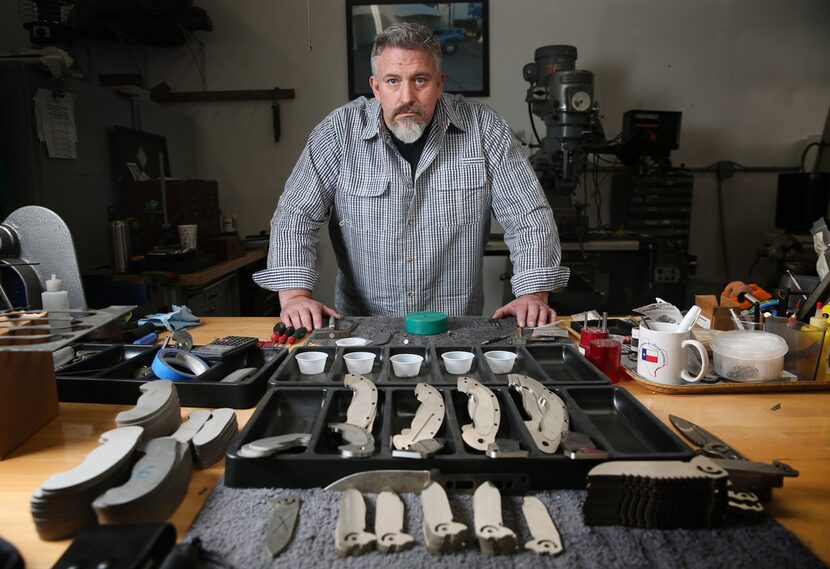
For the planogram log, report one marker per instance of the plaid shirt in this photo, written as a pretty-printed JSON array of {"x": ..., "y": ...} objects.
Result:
[{"x": 405, "y": 245}]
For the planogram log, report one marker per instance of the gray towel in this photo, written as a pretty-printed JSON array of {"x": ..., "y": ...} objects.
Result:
[{"x": 233, "y": 521}]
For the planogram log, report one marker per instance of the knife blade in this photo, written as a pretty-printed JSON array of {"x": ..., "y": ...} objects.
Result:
[
  {"x": 709, "y": 444},
  {"x": 281, "y": 527}
]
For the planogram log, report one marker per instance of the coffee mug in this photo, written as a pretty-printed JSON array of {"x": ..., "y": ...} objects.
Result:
[{"x": 662, "y": 355}]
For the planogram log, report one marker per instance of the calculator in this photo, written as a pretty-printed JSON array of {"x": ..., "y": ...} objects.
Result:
[{"x": 225, "y": 347}]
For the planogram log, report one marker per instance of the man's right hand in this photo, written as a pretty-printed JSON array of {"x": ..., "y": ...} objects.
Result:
[{"x": 297, "y": 308}]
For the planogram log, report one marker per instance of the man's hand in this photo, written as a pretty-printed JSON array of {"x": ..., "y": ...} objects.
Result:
[
  {"x": 297, "y": 308},
  {"x": 529, "y": 309}
]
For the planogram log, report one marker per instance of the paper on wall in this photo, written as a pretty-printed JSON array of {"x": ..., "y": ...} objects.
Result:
[{"x": 55, "y": 120}]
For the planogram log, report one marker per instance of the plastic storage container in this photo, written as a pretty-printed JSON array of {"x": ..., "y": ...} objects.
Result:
[{"x": 749, "y": 355}]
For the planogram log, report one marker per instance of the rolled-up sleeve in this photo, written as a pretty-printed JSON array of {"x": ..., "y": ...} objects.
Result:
[
  {"x": 303, "y": 208},
  {"x": 520, "y": 206}
]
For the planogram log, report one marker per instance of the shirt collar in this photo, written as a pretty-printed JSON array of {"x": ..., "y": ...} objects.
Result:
[{"x": 444, "y": 114}]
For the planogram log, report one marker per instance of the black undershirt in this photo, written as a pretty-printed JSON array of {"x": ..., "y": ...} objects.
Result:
[{"x": 412, "y": 152}]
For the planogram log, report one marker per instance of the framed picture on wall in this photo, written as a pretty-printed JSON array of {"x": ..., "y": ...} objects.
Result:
[{"x": 461, "y": 29}]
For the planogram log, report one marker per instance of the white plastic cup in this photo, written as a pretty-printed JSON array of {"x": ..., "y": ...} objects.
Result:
[
  {"x": 500, "y": 361},
  {"x": 187, "y": 236},
  {"x": 347, "y": 342},
  {"x": 406, "y": 365},
  {"x": 359, "y": 362},
  {"x": 458, "y": 362},
  {"x": 312, "y": 362}
]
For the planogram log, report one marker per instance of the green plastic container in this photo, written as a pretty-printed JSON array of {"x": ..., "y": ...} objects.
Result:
[{"x": 425, "y": 323}]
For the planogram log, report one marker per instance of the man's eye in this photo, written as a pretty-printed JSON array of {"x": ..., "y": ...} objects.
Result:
[
  {"x": 420, "y": 81},
  {"x": 392, "y": 81}
]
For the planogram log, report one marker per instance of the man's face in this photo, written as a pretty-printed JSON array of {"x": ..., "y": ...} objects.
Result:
[{"x": 408, "y": 87}]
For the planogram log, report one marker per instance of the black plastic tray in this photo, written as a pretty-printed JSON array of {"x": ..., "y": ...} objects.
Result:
[
  {"x": 614, "y": 420},
  {"x": 107, "y": 376},
  {"x": 551, "y": 364}
]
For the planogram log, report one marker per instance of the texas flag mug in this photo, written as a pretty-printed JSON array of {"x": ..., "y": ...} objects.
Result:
[{"x": 662, "y": 357}]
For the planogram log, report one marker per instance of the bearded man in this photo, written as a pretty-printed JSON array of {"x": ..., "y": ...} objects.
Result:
[{"x": 408, "y": 182}]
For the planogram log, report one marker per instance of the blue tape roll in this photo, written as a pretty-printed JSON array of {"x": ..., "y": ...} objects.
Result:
[{"x": 165, "y": 360}]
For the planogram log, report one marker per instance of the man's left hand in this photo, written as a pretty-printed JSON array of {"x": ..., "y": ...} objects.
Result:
[{"x": 530, "y": 310}]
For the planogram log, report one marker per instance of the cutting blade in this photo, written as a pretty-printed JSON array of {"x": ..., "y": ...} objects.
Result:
[{"x": 709, "y": 443}]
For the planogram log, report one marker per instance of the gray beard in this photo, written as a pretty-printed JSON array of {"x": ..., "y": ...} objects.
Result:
[{"x": 407, "y": 130}]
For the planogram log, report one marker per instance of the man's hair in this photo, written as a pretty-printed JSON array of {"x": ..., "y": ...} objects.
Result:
[{"x": 406, "y": 35}]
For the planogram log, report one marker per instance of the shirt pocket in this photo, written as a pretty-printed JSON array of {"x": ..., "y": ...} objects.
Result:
[
  {"x": 462, "y": 195},
  {"x": 364, "y": 206}
]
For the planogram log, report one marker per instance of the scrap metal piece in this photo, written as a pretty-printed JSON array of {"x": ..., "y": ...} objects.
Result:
[
  {"x": 580, "y": 446},
  {"x": 183, "y": 339},
  {"x": 484, "y": 410},
  {"x": 363, "y": 407},
  {"x": 376, "y": 481},
  {"x": 441, "y": 533},
  {"x": 424, "y": 448},
  {"x": 237, "y": 376},
  {"x": 272, "y": 445},
  {"x": 549, "y": 420},
  {"x": 330, "y": 332},
  {"x": 359, "y": 441},
  {"x": 506, "y": 448},
  {"x": 494, "y": 538},
  {"x": 350, "y": 535},
  {"x": 281, "y": 527},
  {"x": 389, "y": 516},
  {"x": 427, "y": 420},
  {"x": 546, "y": 539}
]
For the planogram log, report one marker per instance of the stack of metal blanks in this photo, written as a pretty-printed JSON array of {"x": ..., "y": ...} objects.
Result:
[
  {"x": 62, "y": 506},
  {"x": 657, "y": 494},
  {"x": 212, "y": 440},
  {"x": 157, "y": 410},
  {"x": 156, "y": 488}
]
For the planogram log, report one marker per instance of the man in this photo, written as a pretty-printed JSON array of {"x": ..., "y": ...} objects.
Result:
[{"x": 409, "y": 180}]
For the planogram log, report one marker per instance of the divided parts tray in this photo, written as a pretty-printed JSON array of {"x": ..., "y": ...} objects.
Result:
[
  {"x": 614, "y": 420},
  {"x": 107, "y": 376},
  {"x": 551, "y": 364}
]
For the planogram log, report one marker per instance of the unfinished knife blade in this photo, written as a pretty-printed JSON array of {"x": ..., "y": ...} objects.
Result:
[
  {"x": 359, "y": 442},
  {"x": 155, "y": 489},
  {"x": 389, "y": 516},
  {"x": 657, "y": 494},
  {"x": 189, "y": 428},
  {"x": 506, "y": 448},
  {"x": 546, "y": 539},
  {"x": 427, "y": 420},
  {"x": 441, "y": 533},
  {"x": 376, "y": 481},
  {"x": 483, "y": 408},
  {"x": 272, "y": 445},
  {"x": 493, "y": 537},
  {"x": 284, "y": 513},
  {"x": 363, "y": 407},
  {"x": 549, "y": 419},
  {"x": 350, "y": 535}
]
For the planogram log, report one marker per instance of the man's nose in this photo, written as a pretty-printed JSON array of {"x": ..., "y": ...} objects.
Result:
[{"x": 407, "y": 92}]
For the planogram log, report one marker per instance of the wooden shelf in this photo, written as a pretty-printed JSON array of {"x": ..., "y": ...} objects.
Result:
[{"x": 214, "y": 272}]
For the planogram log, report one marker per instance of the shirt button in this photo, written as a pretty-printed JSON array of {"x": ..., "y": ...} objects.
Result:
[
  {"x": 410, "y": 294},
  {"x": 409, "y": 221},
  {"x": 409, "y": 259},
  {"x": 408, "y": 185}
]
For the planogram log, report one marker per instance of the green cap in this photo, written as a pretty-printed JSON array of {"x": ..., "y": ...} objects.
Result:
[{"x": 427, "y": 322}]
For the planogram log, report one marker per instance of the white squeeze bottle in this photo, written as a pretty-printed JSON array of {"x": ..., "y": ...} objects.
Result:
[{"x": 55, "y": 298}]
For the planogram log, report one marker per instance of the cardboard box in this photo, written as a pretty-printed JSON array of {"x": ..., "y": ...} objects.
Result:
[
  {"x": 227, "y": 247},
  {"x": 715, "y": 315},
  {"x": 28, "y": 389}
]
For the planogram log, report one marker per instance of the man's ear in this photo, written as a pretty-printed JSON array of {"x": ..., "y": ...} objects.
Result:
[
  {"x": 374, "y": 85},
  {"x": 441, "y": 83}
]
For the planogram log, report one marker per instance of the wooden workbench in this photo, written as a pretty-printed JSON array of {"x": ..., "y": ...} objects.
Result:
[{"x": 798, "y": 433}]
